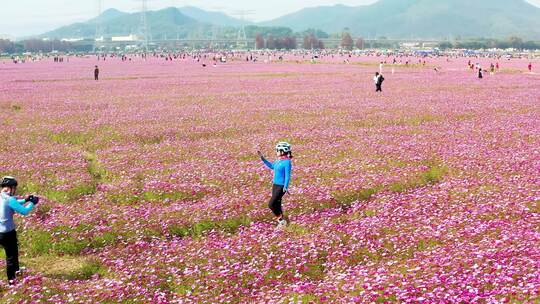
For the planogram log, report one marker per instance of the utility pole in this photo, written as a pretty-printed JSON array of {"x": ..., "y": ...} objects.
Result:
[
  {"x": 143, "y": 29},
  {"x": 215, "y": 37},
  {"x": 99, "y": 25}
]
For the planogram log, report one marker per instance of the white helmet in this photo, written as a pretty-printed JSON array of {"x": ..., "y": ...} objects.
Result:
[{"x": 284, "y": 147}]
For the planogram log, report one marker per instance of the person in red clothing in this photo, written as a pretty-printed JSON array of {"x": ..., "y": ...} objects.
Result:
[{"x": 530, "y": 66}]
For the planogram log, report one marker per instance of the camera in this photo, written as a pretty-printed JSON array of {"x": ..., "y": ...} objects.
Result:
[{"x": 33, "y": 199}]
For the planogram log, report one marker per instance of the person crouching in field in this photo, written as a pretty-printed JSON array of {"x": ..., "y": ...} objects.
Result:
[
  {"x": 378, "y": 79},
  {"x": 282, "y": 175},
  {"x": 9, "y": 204}
]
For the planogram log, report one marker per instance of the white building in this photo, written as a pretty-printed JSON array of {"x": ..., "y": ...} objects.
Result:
[{"x": 124, "y": 38}]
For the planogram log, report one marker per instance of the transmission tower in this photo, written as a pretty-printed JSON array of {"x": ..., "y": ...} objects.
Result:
[
  {"x": 143, "y": 27},
  {"x": 241, "y": 37},
  {"x": 215, "y": 36},
  {"x": 98, "y": 38},
  {"x": 216, "y": 30}
]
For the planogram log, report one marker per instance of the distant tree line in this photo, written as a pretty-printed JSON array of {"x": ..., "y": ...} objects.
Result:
[
  {"x": 512, "y": 42},
  {"x": 281, "y": 38},
  {"x": 38, "y": 45},
  {"x": 272, "y": 43}
]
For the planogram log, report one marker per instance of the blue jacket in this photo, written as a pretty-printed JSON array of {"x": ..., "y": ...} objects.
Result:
[
  {"x": 282, "y": 171},
  {"x": 8, "y": 206}
]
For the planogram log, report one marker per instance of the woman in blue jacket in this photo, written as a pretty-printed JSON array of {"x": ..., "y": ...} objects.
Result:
[{"x": 282, "y": 175}]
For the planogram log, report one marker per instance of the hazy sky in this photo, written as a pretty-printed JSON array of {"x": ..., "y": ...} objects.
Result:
[{"x": 29, "y": 17}]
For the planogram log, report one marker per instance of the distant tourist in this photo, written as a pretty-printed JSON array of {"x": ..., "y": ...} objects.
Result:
[
  {"x": 530, "y": 66},
  {"x": 96, "y": 73},
  {"x": 378, "y": 79},
  {"x": 480, "y": 75}
]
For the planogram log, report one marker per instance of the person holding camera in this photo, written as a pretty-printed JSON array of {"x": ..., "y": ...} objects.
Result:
[
  {"x": 9, "y": 205},
  {"x": 282, "y": 175}
]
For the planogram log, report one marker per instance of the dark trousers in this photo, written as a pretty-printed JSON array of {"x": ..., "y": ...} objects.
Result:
[
  {"x": 379, "y": 87},
  {"x": 275, "y": 201},
  {"x": 96, "y": 76},
  {"x": 8, "y": 240}
]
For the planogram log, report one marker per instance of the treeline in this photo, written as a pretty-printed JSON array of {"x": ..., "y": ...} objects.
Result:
[
  {"x": 512, "y": 42},
  {"x": 269, "y": 42},
  {"x": 38, "y": 45},
  {"x": 282, "y": 38},
  {"x": 272, "y": 37},
  {"x": 311, "y": 39}
]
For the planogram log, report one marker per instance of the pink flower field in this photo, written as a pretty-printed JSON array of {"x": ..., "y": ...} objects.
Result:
[{"x": 153, "y": 192}]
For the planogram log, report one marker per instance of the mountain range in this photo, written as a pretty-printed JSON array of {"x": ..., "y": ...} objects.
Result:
[
  {"x": 388, "y": 18},
  {"x": 423, "y": 18}
]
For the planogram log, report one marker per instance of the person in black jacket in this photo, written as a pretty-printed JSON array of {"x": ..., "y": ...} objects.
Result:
[
  {"x": 96, "y": 73},
  {"x": 378, "y": 79}
]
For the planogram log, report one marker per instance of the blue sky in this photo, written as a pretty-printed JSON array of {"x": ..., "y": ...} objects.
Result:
[{"x": 28, "y": 17}]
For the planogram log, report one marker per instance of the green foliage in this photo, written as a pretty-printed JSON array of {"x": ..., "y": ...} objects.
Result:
[
  {"x": 179, "y": 230},
  {"x": 314, "y": 271},
  {"x": 103, "y": 240},
  {"x": 297, "y": 229},
  {"x": 315, "y": 32},
  {"x": 373, "y": 122},
  {"x": 344, "y": 198},
  {"x": 430, "y": 176},
  {"x": 301, "y": 299},
  {"x": 36, "y": 242},
  {"x": 150, "y": 140},
  {"x": 172, "y": 196},
  {"x": 94, "y": 167},
  {"x": 386, "y": 299},
  {"x": 88, "y": 269},
  {"x": 42, "y": 210},
  {"x": 198, "y": 229},
  {"x": 70, "y": 137},
  {"x": 363, "y": 255},
  {"x": 433, "y": 174},
  {"x": 534, "y": 206},
  {"x": 64, "y": 196},
  {"x": 70, "y": 246},
  {"x": 123, "y": 198},
  {"x": 67, "y": 267},
  {"x": 274, "y": 31}
]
